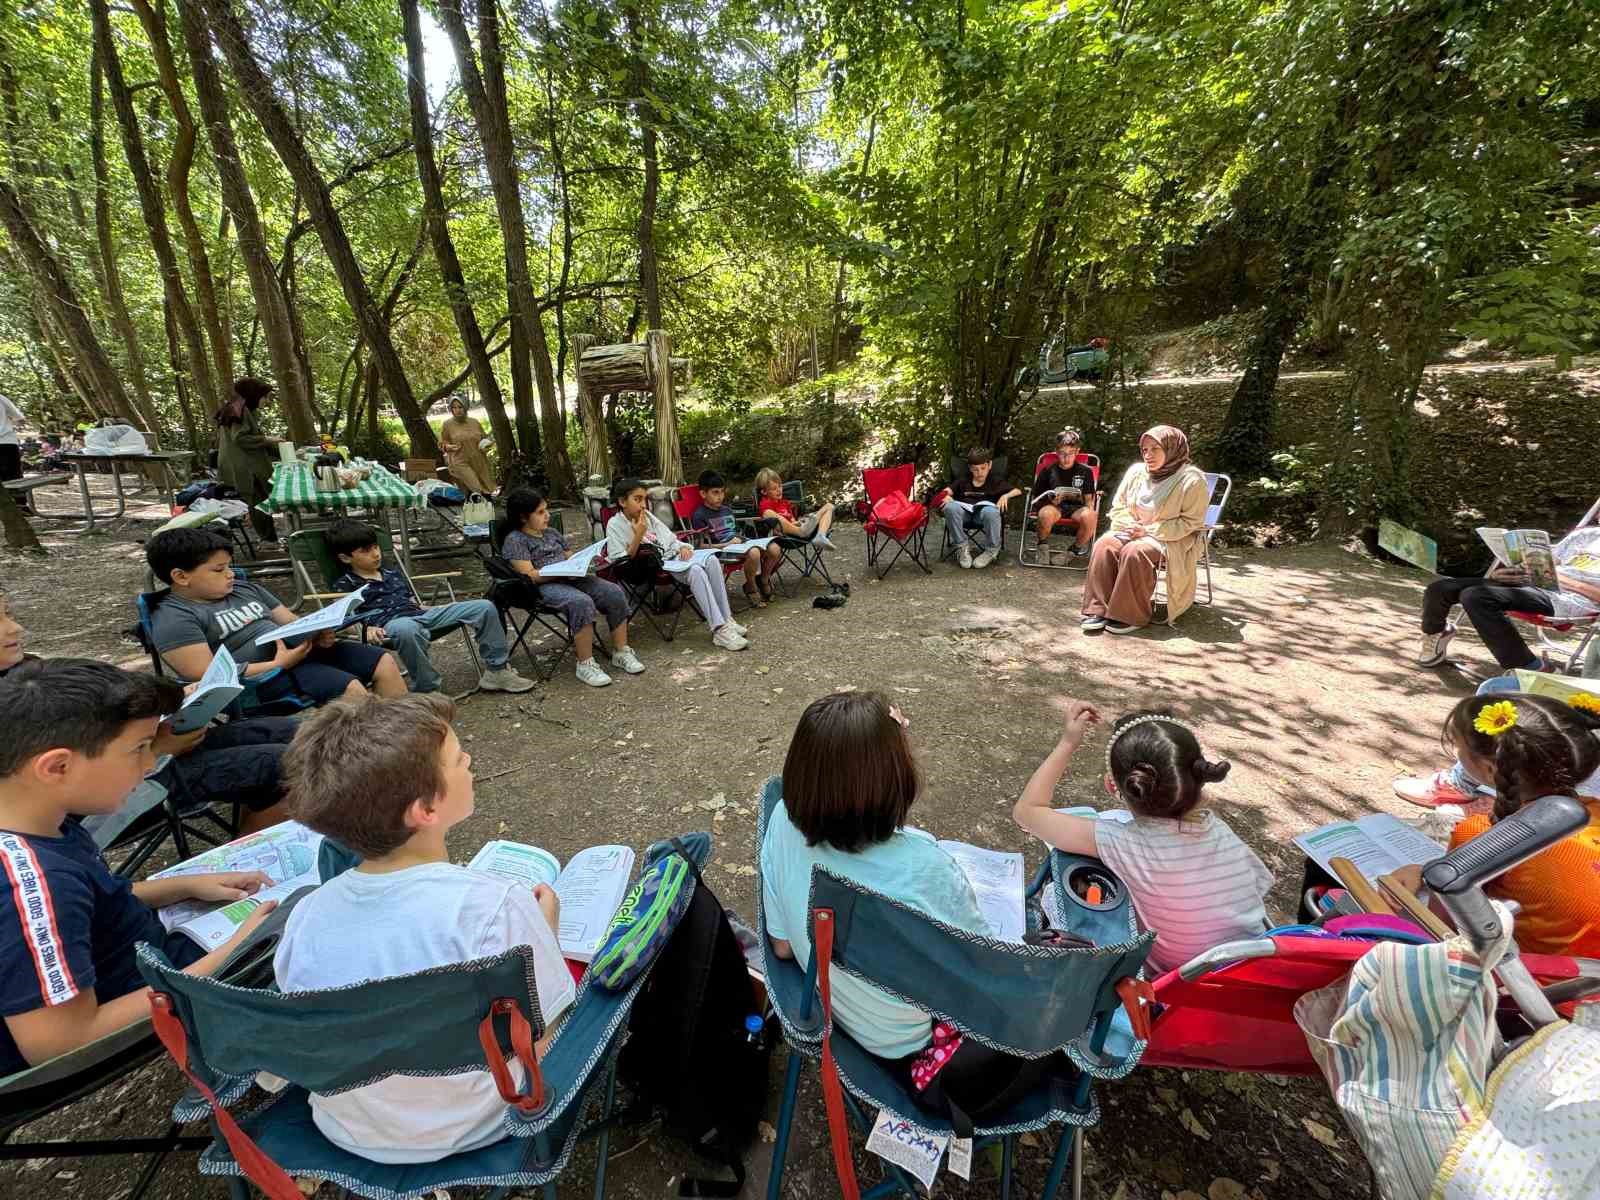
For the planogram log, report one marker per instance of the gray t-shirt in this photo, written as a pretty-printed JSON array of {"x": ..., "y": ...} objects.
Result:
[
  {"x": 235, "y": 622},
  {"x": 539, "y": 552}
]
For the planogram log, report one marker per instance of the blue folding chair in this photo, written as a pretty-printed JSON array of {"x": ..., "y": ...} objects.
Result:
[
  {"x": 434, "y": 1022},
  {"x": 1034, "y": 1001}
]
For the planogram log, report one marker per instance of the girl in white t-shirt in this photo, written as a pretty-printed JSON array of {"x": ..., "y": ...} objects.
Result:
[{"x": 1192, "y": 881}]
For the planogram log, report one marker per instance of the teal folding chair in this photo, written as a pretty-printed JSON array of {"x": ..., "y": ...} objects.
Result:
[{"x": 1034, "y": 1000}]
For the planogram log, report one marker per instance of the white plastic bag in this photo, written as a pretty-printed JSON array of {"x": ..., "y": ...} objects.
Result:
[
  {"x": 477, "y": 510},
  {"x": 228, "y": 510},
  {"x": 115, "y": 439}
]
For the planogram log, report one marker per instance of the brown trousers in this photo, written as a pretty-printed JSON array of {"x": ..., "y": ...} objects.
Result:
[{"x": 1122, "y": 579}]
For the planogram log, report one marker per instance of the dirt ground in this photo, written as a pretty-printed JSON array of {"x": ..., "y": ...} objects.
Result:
[{"x": 1298, "y": 674}]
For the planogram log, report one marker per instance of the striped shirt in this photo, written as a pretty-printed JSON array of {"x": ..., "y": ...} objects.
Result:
[{"x": 1193, "y": 882}]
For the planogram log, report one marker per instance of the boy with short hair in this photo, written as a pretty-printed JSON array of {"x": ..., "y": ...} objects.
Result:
[
  {"x": 79, "y": 738},
  {"x": 977, "y": 495},
  {"x": 395, "y": 619},
  {"x": 389, "y": 779},
  {"x": 715, "y": 515},
  {"x": 208, "y": 607}
]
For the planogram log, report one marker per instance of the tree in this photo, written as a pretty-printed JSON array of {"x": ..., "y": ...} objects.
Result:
[
  {"x": 258, "y": 92},
  {"x": 272, "y": 306},
  {"x": 486, "y": 95},
  {"x": 436, "y": 218}
]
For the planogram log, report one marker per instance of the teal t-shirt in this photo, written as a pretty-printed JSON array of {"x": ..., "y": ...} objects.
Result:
[{"x": 908, "y": 867}]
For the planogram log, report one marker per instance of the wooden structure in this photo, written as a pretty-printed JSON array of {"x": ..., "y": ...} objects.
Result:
[{"x": 646, "y": 366}]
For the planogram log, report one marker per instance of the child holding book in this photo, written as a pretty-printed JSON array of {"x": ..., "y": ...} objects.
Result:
[
  {"x": 771, "y": 502},
  {"x": 395, "y": 619},
  {"x": 80, "y": 736},
  {"x": 389, "y": 779},
  {"x": 529, "y": 543},
  {"x": 715, "y": 515},
  {"x": 638, "y": 544},
  {"x": 1528, "y": 747},
  {"x": 1192, "y": 881}
]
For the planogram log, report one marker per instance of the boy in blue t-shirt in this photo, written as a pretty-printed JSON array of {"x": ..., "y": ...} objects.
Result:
[
  {"x": 80, "y": 736},
  {"x": 715, "y": 518},
  {"x": 395, "y": 619}
]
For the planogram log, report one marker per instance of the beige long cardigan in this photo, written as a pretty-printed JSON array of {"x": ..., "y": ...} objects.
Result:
[{"x": 1179, "y": 526}]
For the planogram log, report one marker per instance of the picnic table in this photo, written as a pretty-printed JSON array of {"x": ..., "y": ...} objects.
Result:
[
  {"x": 80, "y": 461},
  {"x": 294, "y": 494}
]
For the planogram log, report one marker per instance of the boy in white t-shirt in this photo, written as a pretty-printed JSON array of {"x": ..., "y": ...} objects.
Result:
[{"x": 389, "y": 779}]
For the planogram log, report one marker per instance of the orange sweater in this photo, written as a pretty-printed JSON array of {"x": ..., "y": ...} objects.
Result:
[{"x": 1559, "y": 890}]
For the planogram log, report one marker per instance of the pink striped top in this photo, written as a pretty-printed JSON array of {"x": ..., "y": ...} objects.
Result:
[{"x": 1193, "y": 882}]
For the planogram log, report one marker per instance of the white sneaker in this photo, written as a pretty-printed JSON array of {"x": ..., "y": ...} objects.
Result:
[
  {"x": 589, "y": 672},
  {"x": 728, "y": 639},
  {"x": 737, "y": 628},
  {"x": 627, "y": 660},
  {"x": 824, "y": 541},
  {"x": 1434, "y": 645},
  {"x": 964, "y": 555},
  {"x": 504, "y": 679},
  {"x": 987, "y": 557}
]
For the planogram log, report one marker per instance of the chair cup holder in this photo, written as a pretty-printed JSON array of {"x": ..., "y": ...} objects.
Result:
[{"x": 1085, "y": 881}]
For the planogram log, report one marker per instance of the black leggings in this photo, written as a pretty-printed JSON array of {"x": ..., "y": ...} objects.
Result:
[
  {"x": 979, "y": 1081},
  {"x": 1486, "y": 604}
]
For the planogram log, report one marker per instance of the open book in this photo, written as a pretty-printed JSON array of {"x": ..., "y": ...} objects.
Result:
[
  {"x": 336, "y": 616},
  {"x": 575, "y": 567},
  {"x": 218, "y": 688},
  {"x": 996, "y": 876},
  {"x": 1526, "y": 548},
  {"x": 1377, "y": 844},
  {"x": 1541, "y": 683},
  {"x": 679, "y": 565},
  {"x": 590, "y": 886},
  {"x": 286, "y": 853},
  {"x": 745, "y": 546}
]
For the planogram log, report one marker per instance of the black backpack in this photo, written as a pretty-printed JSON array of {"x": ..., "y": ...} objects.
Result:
[{"x": 690, "y": 1055}]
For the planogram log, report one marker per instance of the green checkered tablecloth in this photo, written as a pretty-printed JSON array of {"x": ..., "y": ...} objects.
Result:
[{"x": 294, "y": 489}]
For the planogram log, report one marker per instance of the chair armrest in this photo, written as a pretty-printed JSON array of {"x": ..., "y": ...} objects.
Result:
[
  {"x": 326, "y": 595},
  {"x": 439, "y": 575}
]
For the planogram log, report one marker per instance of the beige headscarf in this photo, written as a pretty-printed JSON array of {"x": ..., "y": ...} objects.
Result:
[{"x": 1175, "y": 443}]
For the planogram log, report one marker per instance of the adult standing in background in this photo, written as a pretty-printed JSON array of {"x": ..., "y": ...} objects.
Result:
[
  {"x": 10, "y": 445},
  {"x": 460, "y": 438},
  {"x": 244, "y": 453}
]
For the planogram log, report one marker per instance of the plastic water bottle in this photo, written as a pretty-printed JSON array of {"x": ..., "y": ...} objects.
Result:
[{"x": 754, "y": 1031}]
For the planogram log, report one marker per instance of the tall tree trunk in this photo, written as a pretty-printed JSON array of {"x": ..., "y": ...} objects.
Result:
[
  {"x": 838, "y": 279},
  {"x": 150, "y": 201},
  {"x": 19, "y": 534},
  {"x": 669, "y": 455},
  {"x": 272, "y": 306},
  {"x": 486, "y": 95},
  {"x": 644, "y": 112},
  {"x": 181, "y": 387},
  {"x": 100, "y": 375},
  {"x": 205, "y": 290},
  {"x": 108, "y": 273},
  {"x": 444, "y": 247},
  {"x": 257, "y": 89}
]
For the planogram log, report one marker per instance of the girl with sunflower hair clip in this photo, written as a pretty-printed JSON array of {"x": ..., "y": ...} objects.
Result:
[{"x": 1528, "y": 747}]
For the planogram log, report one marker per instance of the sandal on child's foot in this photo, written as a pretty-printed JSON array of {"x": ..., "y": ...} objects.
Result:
[
  {"x": 766, "y": 587},
  {"x": 754, "y": 596}
]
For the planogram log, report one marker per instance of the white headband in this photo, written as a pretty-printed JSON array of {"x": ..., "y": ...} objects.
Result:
[{"x": 1144, "y": 720}]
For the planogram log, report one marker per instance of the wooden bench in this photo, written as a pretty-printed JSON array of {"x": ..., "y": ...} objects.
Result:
[{"x": 28, "y": 482}]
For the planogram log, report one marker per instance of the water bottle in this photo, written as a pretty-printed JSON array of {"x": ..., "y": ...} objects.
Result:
[{"x": 754, "y": 1031}]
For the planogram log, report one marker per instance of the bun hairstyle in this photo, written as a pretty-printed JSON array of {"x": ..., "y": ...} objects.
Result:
[
  {"x": 1539, "y": 746},
  {"x": 1157, "y": 764}
]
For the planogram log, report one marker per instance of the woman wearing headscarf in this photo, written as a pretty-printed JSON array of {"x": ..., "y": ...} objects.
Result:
[
  {"x": 459, "y": 438},
  {"x": 244, "y": 453},
  {"x": 1157, "y": 516}
]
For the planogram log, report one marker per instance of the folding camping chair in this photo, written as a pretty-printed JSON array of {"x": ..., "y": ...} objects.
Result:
[
  {"x": 1035, "y": 1000},
  {"x": 899, "y": 520},
  {"x": 443, "y": 1020},
  {"x": 684, "y": 501},
  {"x": 1585, "y": 627},
  {"x": 313, "y": 561},
  {"x": 646, "y": 597},
  {"x": 35, "y": 1093},
  {"x": 1031, "y": 556},
  {"x": 958, "y": 464},
  {"x": 1214, "y": 507},
  {"x": 513, "y": 591},
  {"x": 802, "y": 556}
]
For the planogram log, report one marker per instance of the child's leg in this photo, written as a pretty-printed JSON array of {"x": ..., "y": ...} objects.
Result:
[
  {"x": 1087, "y": 521},
  {"x": 824, "y": 520},
  {"x": 577, "y": 609},
  {"x": 1049, "y": 514},
  {"x": 370, "y": 666},
  {"x": 752, "y": 567},
  {"x": 613, "y": 602},
  {"x": 411, "y": 638},
  {"x": 712, "y": 598},
  {"x": 483, "y": 618}
]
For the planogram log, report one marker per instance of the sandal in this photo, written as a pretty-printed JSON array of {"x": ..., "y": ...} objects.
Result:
[
  {"x": 755, "y": 597},
  {"x": 765, "y": 585}
]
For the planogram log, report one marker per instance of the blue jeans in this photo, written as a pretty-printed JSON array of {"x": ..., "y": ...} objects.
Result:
[
  {"x": 411, "y": 636},
  {"x": 984, "y": 515}
]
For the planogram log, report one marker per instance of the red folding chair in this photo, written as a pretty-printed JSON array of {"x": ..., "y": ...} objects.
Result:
[
  {"x": 1585, "y": 627},
  {"x": 1029, "y": 556},
  {"x": 646, "y": 596},
  {"x": 684, "y": 501},
  {"x": 890, "y": 515}
]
